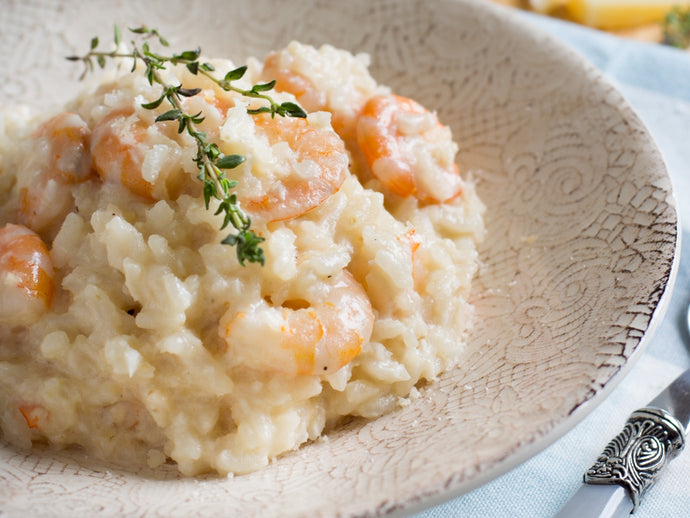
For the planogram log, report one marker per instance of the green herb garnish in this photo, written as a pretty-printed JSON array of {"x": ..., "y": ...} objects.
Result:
[
  {"x": 676, "y": 27},
  {"x": 209, "y": 160}
]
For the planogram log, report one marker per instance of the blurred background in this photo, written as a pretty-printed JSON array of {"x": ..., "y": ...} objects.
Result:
[{"x": 666, "y": 22}]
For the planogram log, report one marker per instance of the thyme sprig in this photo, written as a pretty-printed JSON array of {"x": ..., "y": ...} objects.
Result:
[
  {"x": 210, "y": 161},
  {"x": 676, "y": 28}
]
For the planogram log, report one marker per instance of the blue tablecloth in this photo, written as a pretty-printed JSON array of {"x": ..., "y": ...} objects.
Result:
[{"x": 656, "y": 81}]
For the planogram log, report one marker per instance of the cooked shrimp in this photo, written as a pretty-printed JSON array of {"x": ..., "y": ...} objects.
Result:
[
  {"x": 408, "y": 150},
  {"x": 26, "y": 275},
  {"x": 137, "y": 153},
  {"x": 117, "y": 154},
  {"x": 61, "y": 159},
  {"x": 213, "y": 106},
  {"x": 315, "y": 167},
  {"x": 316, "y": 334},
  {"x": 324, "y": 79}
]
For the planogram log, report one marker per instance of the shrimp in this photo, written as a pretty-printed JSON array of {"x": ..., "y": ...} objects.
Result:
[
  {"x": 408, "y": 150},
  {"x": 117, "y": 154},
  {"x": 213, "y": 105},
  {"x": 314, "y": 168},
  {"x": 136, "y": 153},
  {"x": 316, "y": 78},
  {"x": 313, "y": 335},
  {"x": 61, "y": 160},
  {"x": 26, "y": 275}
]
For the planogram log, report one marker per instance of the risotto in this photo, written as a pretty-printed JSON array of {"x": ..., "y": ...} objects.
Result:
[{"x": 128, "y": 328}]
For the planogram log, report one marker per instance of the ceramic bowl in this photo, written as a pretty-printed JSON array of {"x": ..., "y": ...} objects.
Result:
[{"x": 580, "y": 250}]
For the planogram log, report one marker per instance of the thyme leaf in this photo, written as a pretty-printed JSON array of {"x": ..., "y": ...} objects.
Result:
[{"x": 676, "y": 28}]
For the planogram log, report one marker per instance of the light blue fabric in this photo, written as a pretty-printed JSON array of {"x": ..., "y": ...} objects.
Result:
[{"x": 656, "y": 81}]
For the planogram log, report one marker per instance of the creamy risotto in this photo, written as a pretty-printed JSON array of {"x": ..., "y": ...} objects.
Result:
[{"x": 128, "y": 328}]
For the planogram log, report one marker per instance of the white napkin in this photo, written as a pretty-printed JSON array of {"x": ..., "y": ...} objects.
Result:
[{"x": 656, "y": 81}]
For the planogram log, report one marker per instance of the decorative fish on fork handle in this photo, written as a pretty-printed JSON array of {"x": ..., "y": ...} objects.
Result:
[{"x": 635, "y": 458}]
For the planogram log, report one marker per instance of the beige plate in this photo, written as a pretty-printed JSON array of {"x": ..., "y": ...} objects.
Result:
[{"x": 581, "y": 249}]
